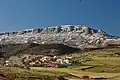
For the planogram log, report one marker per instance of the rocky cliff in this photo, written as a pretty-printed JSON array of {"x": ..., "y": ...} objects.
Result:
[{"x": 77, "y": 36}]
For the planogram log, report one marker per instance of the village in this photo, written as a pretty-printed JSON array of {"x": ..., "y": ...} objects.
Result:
[{"x": 40, "y": 61}]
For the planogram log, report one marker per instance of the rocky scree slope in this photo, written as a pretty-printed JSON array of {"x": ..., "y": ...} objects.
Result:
[{"x": 77, "y": 36}]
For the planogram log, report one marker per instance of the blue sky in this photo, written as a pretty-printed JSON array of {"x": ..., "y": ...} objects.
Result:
[{"x": 25, "y": 14}]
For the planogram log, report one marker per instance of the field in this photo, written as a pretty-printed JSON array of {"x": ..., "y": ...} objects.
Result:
[
  {"x": 97, "y": 63},
  {"x": 79, "y": 73},
  {"x": 13, "y": 73}
]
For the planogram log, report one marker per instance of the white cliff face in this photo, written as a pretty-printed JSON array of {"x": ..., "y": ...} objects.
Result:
[{"x": 75, "y": 36}]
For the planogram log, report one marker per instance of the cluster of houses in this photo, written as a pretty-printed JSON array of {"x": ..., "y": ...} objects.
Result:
[
  {"x": 39, "y": 61},
  {"x": 46, "y": 61}
]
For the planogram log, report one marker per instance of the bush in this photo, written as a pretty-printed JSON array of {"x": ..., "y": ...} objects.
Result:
[{"x": 85, "y": 77}]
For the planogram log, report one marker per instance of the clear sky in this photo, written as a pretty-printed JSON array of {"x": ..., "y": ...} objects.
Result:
[{"x": 25, "y": 14}]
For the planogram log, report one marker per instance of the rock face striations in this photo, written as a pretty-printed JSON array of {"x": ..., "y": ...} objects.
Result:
[{"x": 77, "y": 36}]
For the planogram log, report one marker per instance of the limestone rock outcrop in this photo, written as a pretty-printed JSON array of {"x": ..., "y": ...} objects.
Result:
[{"x": 78, "y": 36}]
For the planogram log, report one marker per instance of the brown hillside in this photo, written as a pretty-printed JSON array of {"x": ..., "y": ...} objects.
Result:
[{"x": 33, "y": 49}]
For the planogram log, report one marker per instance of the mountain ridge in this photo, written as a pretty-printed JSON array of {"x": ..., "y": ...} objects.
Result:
[{"x": 78, "y": 36}]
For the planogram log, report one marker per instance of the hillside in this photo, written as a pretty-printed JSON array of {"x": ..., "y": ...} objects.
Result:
[
  {"x": 55, "y": 40},
  {"x": 36, "y": 49},
  {"x": 94, "y": 52}
]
